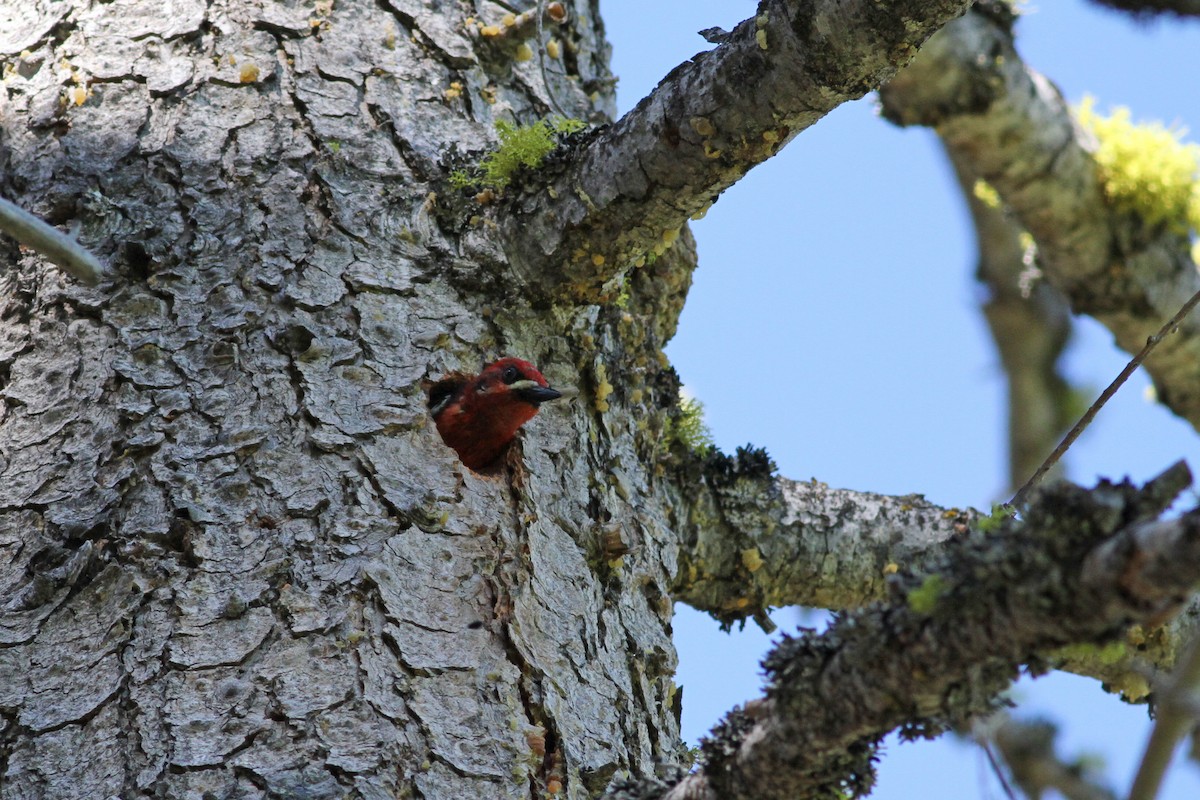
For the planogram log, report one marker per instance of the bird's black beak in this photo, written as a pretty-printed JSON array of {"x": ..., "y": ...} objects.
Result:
[{"x": 536, "y": 395}]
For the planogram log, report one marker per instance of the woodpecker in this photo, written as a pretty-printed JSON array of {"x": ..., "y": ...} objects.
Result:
[{"x": 478, "y": 415}]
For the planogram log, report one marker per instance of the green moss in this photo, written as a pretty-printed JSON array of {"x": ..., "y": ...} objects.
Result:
[
  {"x": 1146, "y": 168},
  {"x": 924, "y": 599},
  {"x": 461, "y": 179},
  {"x": 993, "y": 521},
  {"x": 688, "y": 428},
  {"x": 520, "y": 146}
]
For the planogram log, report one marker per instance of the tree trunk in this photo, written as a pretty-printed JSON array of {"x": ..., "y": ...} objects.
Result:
[{"x": 238, "y": 559}]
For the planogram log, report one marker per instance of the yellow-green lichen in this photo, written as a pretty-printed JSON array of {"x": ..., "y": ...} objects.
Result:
[
  {"x": 1108, "y": 654},
  {"x": 603, "y": 389},
  {"x": 1146, "y": 168},
  {"x": 622, "y": 301},
  {"x": 520, "y": 146},
  {"x": 752, "y": 559},
  {"x": 760, "y": 32},
  {"x": 986, "y": 193},
  {"x": 1131, "y": 684},
  {"x": 664, "y": 243}
]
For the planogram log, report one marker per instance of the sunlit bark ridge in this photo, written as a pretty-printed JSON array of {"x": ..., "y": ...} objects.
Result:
[{"x": 625, "y": 194}]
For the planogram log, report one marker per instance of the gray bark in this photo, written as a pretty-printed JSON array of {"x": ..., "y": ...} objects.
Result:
[
  {"x": 1079, "y": 568},
  {"x": 237, "y": 559}
]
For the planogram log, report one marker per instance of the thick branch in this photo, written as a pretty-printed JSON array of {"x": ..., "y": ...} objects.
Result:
[
  {"x": 1012, "y": 128},
  {"x": 1176, "y": 716},
  {"x": 750, "y": 540},
  {"x": 629, "y": 190},
  {"x": 753, "y": 541},
  {"x": 1081, "y": 568}
]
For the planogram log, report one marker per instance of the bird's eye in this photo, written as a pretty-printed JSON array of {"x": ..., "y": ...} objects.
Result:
[{"x": 510, "y": 375}]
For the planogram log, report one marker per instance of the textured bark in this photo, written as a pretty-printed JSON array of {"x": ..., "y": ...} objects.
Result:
[
  {"x": 752, "y": 540},
  {"x": 242, "y": 561},
  {"x": 1010, "y": 126},
  {"x": 628, "y": 191},
  {"x": 236, "y": 558},
  {"x": 949, "y": 639}
]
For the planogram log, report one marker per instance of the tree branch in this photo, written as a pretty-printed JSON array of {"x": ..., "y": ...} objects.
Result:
[
  {"x": 53, "y": 244},
  {"x": 624, "y": 196},
  {"x": 1030, "y": 325},
  {"x": 751, "y": 540},
  {"x": 1080, "y": 568},
  {"x": 1176, "y": 716},
  {"x": 1027, "y": 749},
  {"x": 1013, "y": 129},
  {"x": 1113, "y": 387}
]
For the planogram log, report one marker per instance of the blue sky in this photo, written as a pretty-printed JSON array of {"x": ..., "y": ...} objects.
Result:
[{"x": 834, "y": 320}]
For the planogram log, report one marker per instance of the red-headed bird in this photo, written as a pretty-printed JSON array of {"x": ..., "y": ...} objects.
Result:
[{"x": 478, "y": 415}]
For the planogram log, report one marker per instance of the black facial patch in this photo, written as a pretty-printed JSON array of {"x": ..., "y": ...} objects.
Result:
[{"x": 441, "y": 392}]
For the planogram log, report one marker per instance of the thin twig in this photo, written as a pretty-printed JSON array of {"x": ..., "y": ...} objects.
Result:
[
  {"x": 50, "y": 242},
  {"x": 997, "y": 770},
  {"x": 1027, "y": 748},
  {"x": 1019, "y": 498},
  {"x": 1175, "y": 717}
]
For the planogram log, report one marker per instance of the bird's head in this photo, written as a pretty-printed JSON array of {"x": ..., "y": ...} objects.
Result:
[
  {"x": 479, "y": 415},
  {"x": 517, "y": 379}
]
